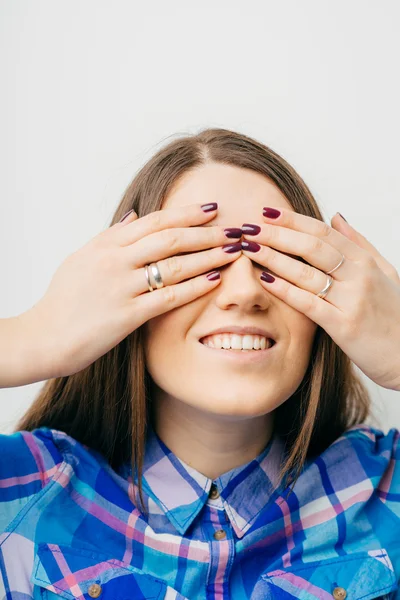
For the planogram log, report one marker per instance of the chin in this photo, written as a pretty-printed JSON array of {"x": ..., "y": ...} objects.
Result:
[{"x": 235, "y": 402}]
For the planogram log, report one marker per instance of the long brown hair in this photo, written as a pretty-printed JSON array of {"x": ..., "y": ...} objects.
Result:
[{"x": 106, "y": 406}]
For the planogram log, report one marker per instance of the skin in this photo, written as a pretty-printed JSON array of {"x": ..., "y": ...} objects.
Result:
[{"x": 216, "y": 414}]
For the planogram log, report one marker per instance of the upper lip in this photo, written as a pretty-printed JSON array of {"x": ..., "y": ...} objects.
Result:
[{"x": 241, "y": 331}]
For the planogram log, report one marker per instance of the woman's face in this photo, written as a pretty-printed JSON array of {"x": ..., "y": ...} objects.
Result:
[{"x": 187, "y": 371}]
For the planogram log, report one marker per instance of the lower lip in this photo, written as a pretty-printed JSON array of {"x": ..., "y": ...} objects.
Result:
[{"x": 244, "y": 356}]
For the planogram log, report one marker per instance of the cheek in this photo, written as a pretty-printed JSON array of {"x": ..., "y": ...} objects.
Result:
[{"x": 164, "y": 336}]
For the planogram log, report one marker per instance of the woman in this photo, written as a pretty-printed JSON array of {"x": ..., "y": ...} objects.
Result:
[{"x": 199, "y": 352}]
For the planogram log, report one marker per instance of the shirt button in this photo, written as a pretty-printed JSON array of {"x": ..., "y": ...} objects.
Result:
[
  {"x": 94, "y": 590},
  {"x": 339, "y": 593},
  {"x": 220, "y": 534},
  {"x": 214, "y": 493}
]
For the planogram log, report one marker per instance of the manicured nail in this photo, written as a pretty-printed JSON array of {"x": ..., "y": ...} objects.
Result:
[
  {"x": 251, "y": 246},
  {"x": 271, "y": 213},
  {"x": 233, "y": 232},
  {"x": 250, "y": 229},
  {"x": 214, "y": 275},
  {"x": 127, "y": 214},
  {"x": 209, "y": 207},
  {"x": 267, "y": 277},
  {"x": 342, "y": 217},
  {"x": 231, "y": 248}
]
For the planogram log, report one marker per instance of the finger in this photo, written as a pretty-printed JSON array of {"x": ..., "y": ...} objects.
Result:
[
  {"x": 180, "y": 216},
  {"x": 175, "y": 269},
  {"x": 304, "y": 276},
  {"x": 309, "y": 225},
  {"x": 160, "y": 301},
  {"x": 362, "y": 242},
  {"x": 169, "y": 242},
  {"x": 317, "y": 309},
  {"x": 314, "y": 250}
]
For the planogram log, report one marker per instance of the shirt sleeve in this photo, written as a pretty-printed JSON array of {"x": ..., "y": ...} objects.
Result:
[
  {"x": 387, "y": 449},
  {"x": 28, "y": 461}
]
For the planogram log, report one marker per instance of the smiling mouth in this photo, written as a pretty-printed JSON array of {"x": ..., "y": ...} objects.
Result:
[{"x": 270, "y": 344}]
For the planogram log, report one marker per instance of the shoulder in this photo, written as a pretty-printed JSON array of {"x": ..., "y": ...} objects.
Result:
[
  {"x": 366, "y": 447},
  {"x": 367, "y": 460},
  {"x": 29, "y": 461},
  {"x": 374, "y": 443},
  {"x": 27, "y": 452}
]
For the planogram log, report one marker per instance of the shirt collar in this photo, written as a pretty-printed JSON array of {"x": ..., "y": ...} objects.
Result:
[{"x": 181, "y": 491}]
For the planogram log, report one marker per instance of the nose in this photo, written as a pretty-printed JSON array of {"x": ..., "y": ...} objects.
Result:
[{"x": 241, "y": 287}]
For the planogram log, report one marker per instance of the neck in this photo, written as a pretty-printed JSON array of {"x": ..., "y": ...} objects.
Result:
[{"x": 211, "y": 444}]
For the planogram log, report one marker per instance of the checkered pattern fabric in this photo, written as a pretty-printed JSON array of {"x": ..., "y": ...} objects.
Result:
[{"x": 69, "y": 527}]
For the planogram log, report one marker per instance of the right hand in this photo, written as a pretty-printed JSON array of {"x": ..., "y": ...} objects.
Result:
[{"x": 99, "y": 294}]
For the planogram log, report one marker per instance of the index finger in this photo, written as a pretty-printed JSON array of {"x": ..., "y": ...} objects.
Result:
[{"x": 179, "y": 216}]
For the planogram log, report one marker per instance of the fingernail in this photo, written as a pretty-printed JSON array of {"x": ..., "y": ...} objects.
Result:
[
  {"x": 209, "y": 207},
  {"x": 271, "y": 213},
  {"x": 233, "y": 232},
  {"x": 342, "y": 217},
  {"x": 127, "y": 214},
  {"x": 267, "y": 277},
  {"x": 250, "y": 246},
  {"x": 250, "y": 229},
  {"x": 214, "y": 275},
  {"x": 231, "y": 248}
]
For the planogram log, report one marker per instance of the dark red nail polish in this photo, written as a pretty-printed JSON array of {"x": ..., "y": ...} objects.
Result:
[
  {"x": 233, "y": 232},
  {"x": 267, "y": 277},
  {"x": 342, "y": 217},
  {"x": 231, "y": 248},
  {"x": 271, "y": 213},
  {"x": 209, "y": 207},
  {"x": 126, "y": 215},
  {"x": 250, "y": 229},
  {"x": 251, "y": 246},
  {"x": 214, "y": 275}
]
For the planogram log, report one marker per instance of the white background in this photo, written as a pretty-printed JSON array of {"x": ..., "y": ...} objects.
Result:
[{"x": 91, "y": 88}]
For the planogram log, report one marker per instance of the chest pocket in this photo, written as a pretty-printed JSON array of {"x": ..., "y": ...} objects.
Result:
[
  {"x": 75, "y": 573},
  {"x": 360, "y": 576}
]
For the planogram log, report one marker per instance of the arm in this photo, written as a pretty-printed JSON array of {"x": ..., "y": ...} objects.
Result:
[{"x": 24, "y": 357}]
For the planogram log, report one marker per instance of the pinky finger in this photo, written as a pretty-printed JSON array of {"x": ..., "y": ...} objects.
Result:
[{"x": 158, "y": 302}]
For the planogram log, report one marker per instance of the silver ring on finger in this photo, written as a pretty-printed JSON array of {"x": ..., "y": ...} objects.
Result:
[
  {"x": 324, "y": 292},
  {"x": 337, "y": 266},
  {"x": 156, "y": 275}
]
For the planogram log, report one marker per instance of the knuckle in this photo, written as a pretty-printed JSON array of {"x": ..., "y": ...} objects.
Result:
[
  {"x": 216, "y": 234},
  {"x": 325, "y": 230},
  {"x": 194, "y": 286},
  {"x": 369, "y": 263},
  {"x": 171, "y": 239},
  {"x": 272, "y": 256},
  {"x": 272, "y": 233},
  {"x": 306, "y": 272},
  {"x": 169, "y": 295},
  {"x": 155, "y": 219},
  {"x": 311, "y": 304},
  {"x": 173, "y": 265},
  {"x": 316, "y": 245}
]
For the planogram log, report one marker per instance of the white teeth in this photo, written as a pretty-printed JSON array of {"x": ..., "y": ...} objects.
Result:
[
  {"x": 226, "y": 342},
  {"x": 247, "y": 343},
  {"x": 233, "y": 341}
]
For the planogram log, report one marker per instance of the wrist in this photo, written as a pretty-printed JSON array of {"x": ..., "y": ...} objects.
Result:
[{"x": 39, "y": 360}]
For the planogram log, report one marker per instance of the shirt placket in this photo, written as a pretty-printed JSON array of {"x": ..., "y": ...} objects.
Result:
[{"x": 219, "y": 533}]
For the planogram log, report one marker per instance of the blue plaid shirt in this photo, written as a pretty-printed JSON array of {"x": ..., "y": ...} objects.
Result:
[{"x": 69, "y": 527}]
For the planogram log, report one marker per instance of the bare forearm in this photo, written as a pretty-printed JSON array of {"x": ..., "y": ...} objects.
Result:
[{"x": 23, "y": 359}]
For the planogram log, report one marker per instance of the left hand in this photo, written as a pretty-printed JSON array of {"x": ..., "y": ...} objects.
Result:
[{"x": 361, "y": 311}]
